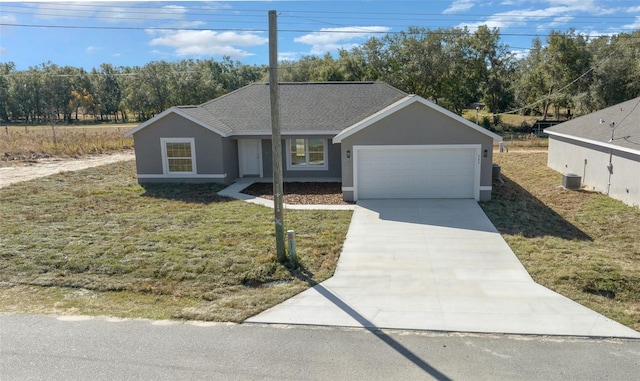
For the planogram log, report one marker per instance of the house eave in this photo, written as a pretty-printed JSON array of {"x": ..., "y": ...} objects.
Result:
[
  {"x": 408, "y": 100},
  {"x": 594, "y": 142}
]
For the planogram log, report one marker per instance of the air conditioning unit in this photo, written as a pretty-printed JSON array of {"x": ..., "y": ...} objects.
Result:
[{"x": 571, "y": 181}]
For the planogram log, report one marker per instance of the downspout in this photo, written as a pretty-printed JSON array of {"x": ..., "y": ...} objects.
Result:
[
  {"x": 610, "y": 168},
  {"x": 610, "y": 165}
]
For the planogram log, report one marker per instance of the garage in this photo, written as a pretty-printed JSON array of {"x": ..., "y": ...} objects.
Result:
[
  {"x": 416, "y": 149},
  {"x": 417, "y": 171}
]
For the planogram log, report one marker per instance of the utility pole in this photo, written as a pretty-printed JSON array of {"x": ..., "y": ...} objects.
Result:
[{"x": 276, "y": 143}]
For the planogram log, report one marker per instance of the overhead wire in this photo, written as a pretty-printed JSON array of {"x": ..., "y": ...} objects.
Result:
[
  {"x": 562, "y": 89},
  {"x": 222, "y": 15},
  {"x": 329, "y": 14},
  {"x": 318, "y": 18}
]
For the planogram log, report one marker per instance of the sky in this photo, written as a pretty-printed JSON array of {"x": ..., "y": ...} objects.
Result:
[{"x": 89, "y": 33}]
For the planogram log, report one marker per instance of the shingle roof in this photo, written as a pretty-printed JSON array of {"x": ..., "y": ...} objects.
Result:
[
  {"x": 206, "y": 117},
  {"x": 595, "y": 127},
  {"x": 312, "y": 107}
]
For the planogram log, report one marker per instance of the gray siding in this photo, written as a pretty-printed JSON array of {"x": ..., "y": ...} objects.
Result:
[
  {"x": 418, "y": 124},
  {"x": 212, "y": 151},
  {"x": 590, "y": 162}
]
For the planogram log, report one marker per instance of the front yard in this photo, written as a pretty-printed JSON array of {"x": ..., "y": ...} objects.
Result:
[{"x": 95, "y": 242}]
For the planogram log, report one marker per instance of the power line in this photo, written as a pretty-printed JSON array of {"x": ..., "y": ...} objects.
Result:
[
  {"x": 131, "y": 27},
  {"x": 330, "y": 14},
  {"x": 562, "y": 89},
  {"x": 354, "y": 30},
  {"x": 221, "y": 15}
]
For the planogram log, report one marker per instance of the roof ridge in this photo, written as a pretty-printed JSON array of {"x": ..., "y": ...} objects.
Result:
[{"x": 229, "y": 93}]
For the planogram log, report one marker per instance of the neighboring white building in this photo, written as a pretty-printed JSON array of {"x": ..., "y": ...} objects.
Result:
[{"x": 603, "y": 148}]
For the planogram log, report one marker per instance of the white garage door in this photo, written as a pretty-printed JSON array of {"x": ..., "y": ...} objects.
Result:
[{"x": 416, "y": 171}]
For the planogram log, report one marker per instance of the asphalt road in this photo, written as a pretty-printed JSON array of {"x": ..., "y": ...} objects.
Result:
[{"x": 62, "y": 348}]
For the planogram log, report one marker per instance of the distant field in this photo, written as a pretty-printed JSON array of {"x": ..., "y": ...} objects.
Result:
[
  {"x": 507, "y": 120},
  {"x": 46, "y": 129},
  {"x": 20, "y": 143}
]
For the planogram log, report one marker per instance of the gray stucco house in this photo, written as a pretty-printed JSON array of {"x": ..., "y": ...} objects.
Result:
[
  {"x": 378, "y": 141},
  {"x": 603, "y": 148}
]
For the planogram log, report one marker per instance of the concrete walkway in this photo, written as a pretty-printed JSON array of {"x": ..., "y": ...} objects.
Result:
[{"x": 435, "y": 265}]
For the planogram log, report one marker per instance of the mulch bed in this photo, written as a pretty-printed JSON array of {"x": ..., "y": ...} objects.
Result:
[{"x": 298, "y": 193}]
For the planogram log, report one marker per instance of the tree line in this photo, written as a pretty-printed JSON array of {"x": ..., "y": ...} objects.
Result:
[{"x": 453, "y": 67}]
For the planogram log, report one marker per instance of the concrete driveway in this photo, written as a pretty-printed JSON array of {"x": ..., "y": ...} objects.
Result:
[{"x": 435, "y": 265}]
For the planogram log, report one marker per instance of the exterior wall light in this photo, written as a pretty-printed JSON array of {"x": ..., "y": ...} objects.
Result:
[{"x": 348, "y": 154}]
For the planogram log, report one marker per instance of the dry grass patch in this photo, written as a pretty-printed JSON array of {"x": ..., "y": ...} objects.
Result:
[
  {"x": 36, "y": 142},
  {"x": 96, "y": 242},
  {"x": 581, "y": 244}
]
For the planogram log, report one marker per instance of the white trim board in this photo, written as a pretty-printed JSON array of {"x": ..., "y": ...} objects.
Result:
[
  {"x": 593, "y": 142},
  {"x": 182, "y": 176}
]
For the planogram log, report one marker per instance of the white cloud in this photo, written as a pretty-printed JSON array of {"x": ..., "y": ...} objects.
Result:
[
  {"x": 7, "y": 19},
  {"x": 634, "y": 26},
  {"x": 520, "y": 53},
  {"x": 107, "y": 12},
  {"x": 288, "y": 56},
  {"x": 459, "y": 6},
  {"x": 62, "y": 10},
  {"x": 559, "y": 12},
  {"x": 332, "y": 39},
  {"x": 209, "y": 43},
  {"x": 542, "y": 15},
  {"x": 3, "y": 50},
  {"x": 92, "y": 49},
  {"x": 562, "y": 20}
]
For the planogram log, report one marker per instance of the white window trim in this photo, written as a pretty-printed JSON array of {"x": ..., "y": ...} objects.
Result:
[
  {"x": 165, "y": 159},
  {"x": 307, "y": 167}
]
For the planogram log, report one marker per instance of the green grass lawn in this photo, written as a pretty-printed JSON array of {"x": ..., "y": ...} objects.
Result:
[
  {"x": 96, "y": 242},
  {"x": 581, "y": 244}
]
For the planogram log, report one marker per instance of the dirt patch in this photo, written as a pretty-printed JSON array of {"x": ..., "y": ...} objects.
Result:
[
  {"x": 25, "y": 170},
  {"x": 301, "y": 193}
]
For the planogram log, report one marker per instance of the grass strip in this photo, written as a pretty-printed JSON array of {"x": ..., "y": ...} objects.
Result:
[{"x": 582, "y": 244}]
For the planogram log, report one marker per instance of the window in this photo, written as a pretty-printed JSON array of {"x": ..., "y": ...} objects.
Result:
[
  {"x": 305, "y": 154},
  {"x": 178, "y": 155}
]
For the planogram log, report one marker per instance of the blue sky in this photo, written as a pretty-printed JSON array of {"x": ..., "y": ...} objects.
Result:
[{"x": 87, "y": 34}]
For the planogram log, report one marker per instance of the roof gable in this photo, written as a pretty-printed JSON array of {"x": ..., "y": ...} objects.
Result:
[
  {"x": 595, "y": 128},
  {"x": 401, "y": 104},
  {"x": 187, "y": 112}
]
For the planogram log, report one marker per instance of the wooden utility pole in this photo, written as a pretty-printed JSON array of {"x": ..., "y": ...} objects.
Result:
[{"x": 276, "y": 143}]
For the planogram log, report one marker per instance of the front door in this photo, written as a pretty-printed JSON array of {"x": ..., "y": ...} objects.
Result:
[{"x": 250, "y": 158}]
